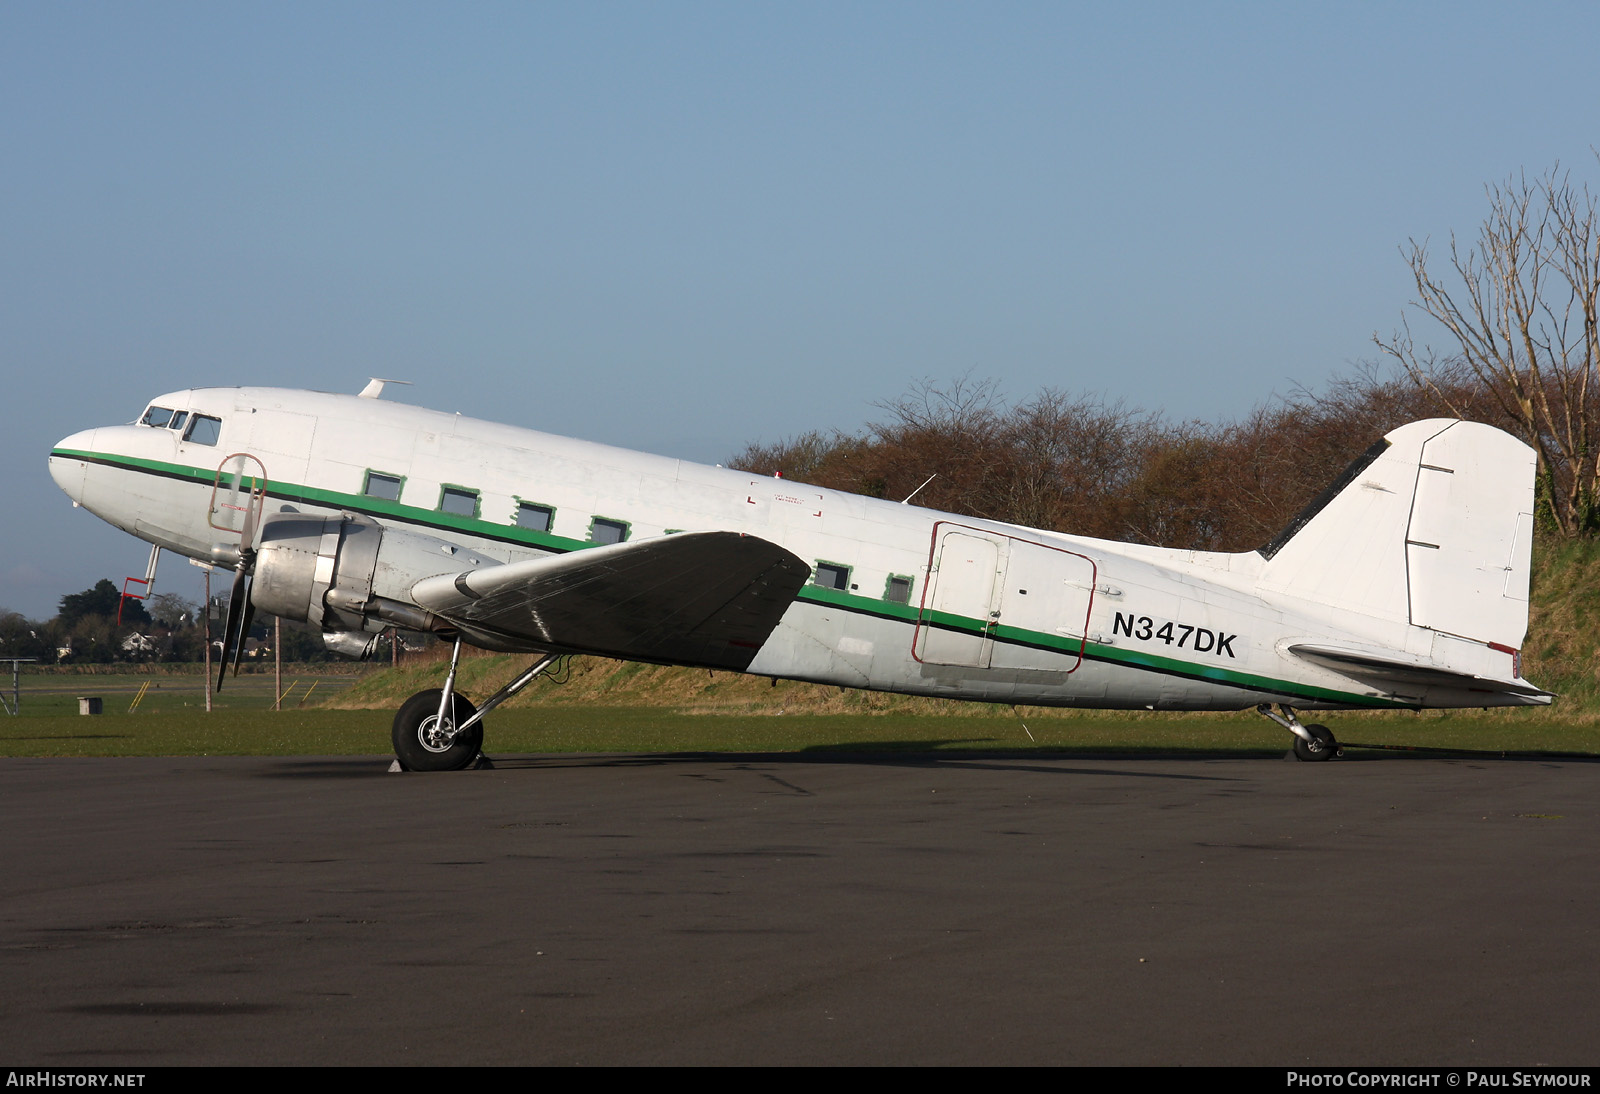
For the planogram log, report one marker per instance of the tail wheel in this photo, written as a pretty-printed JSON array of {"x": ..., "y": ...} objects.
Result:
[
  {"x": 422, "y": 744},
  {"x": 1322, "y": 746}
]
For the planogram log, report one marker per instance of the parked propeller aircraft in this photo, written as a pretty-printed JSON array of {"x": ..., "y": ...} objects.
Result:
[{"x": 1404, "y": 585}]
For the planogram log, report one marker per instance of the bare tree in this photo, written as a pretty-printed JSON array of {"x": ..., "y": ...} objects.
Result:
[
  {"x": 172, "y": 610},
  {"x": 803, "y": 458},
  {"x": 1520, "y": 310},
  {"x": 951, "y": 432},
  {"x": 1071, "y": 460}
]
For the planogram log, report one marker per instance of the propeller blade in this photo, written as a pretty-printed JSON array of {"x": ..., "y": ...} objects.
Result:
[
  {"x": 237, "y": 599},
  {"x": 244, "y": 629},
  {"x": 247, "y": 534}
]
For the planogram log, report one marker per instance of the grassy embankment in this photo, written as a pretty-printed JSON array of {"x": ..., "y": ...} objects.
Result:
[{"x": 603, "y": 705}]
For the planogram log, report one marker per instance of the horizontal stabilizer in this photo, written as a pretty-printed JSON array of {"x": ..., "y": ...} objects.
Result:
[
  {"x": 1389, "y": 669},
  {"x": 694, "y": 598}
]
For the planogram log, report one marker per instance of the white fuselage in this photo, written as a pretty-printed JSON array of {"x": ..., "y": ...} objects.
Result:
[{"x": 903, "y": 598}]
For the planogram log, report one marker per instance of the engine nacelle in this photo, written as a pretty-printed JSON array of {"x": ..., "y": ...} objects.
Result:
[{"x": 348, "y": 572}]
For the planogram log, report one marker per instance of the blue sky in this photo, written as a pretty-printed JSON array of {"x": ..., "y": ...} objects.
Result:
[{"x": 685, "y": 226}]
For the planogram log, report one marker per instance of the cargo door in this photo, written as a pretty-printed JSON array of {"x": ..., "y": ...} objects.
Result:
[
  {"x": 960, "y": 598},
  {"x": 1045, "y": 597}
]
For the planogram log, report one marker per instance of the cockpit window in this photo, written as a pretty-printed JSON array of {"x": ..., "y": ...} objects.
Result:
[
  {"x": 204, "y": 429},
  {"x": 160, "y": 417}
]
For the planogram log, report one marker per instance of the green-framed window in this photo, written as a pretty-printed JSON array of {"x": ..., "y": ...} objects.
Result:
[
  {"x": 383, "y": 485},
  {"x": 831, "y": 575},
  {"x": 459, "y": 501},
  {"x": 608, "y": 530},
  {"x": 897, "y": 589},
  {"x": 534, "y": 516}
]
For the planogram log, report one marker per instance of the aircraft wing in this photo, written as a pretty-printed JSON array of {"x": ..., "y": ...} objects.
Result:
[
  {"x": 1388, "y": 671},
  {"x": 694, "y": 598}
]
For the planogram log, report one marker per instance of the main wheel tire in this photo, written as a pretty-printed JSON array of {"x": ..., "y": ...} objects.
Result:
[
  {"x": 1322, "y": 746},
  {"x": 415, "y": 739}
]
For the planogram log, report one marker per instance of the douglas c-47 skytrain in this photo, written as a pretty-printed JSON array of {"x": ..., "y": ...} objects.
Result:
[{"x": 1405, "y": 585}]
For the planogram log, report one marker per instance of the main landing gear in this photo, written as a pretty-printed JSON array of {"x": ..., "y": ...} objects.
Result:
[
  {"x": 438, "y": 730},
  {"x": 1313, "y": 742}
]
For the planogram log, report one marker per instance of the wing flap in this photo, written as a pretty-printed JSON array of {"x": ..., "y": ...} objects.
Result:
[{"x": 695, "y": 598}]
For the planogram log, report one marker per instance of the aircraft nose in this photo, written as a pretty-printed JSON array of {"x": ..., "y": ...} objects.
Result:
[{"x": 67, "y": 465}]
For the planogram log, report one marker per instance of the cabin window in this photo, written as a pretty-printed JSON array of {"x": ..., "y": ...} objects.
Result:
[
  {"x": 535, "y": 518},
  {"x": 157, "y": 416},
  {"x": 606, "y": 530},
  {"x": 203, "y": 429},
  {"x": 458, "y": 501},
  {"x": 831, "y": 575},
  {"x": 384, "y": 487},
  {"x": 898, "y": 589}
]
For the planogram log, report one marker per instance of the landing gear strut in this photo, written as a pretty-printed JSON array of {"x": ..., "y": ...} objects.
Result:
[
  {"x": 438, "y": 730},
  {"x": 1311, "y": 742}
]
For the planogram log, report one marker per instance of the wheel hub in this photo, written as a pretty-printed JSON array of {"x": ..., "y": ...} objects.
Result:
[{"x": 436, "y": 736}]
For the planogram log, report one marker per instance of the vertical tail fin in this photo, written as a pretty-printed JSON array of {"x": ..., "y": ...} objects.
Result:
[{"x": 1433, "y": 527}]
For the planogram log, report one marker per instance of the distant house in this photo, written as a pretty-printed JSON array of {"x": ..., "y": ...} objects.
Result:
[{"x": 138, "y": 643}]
